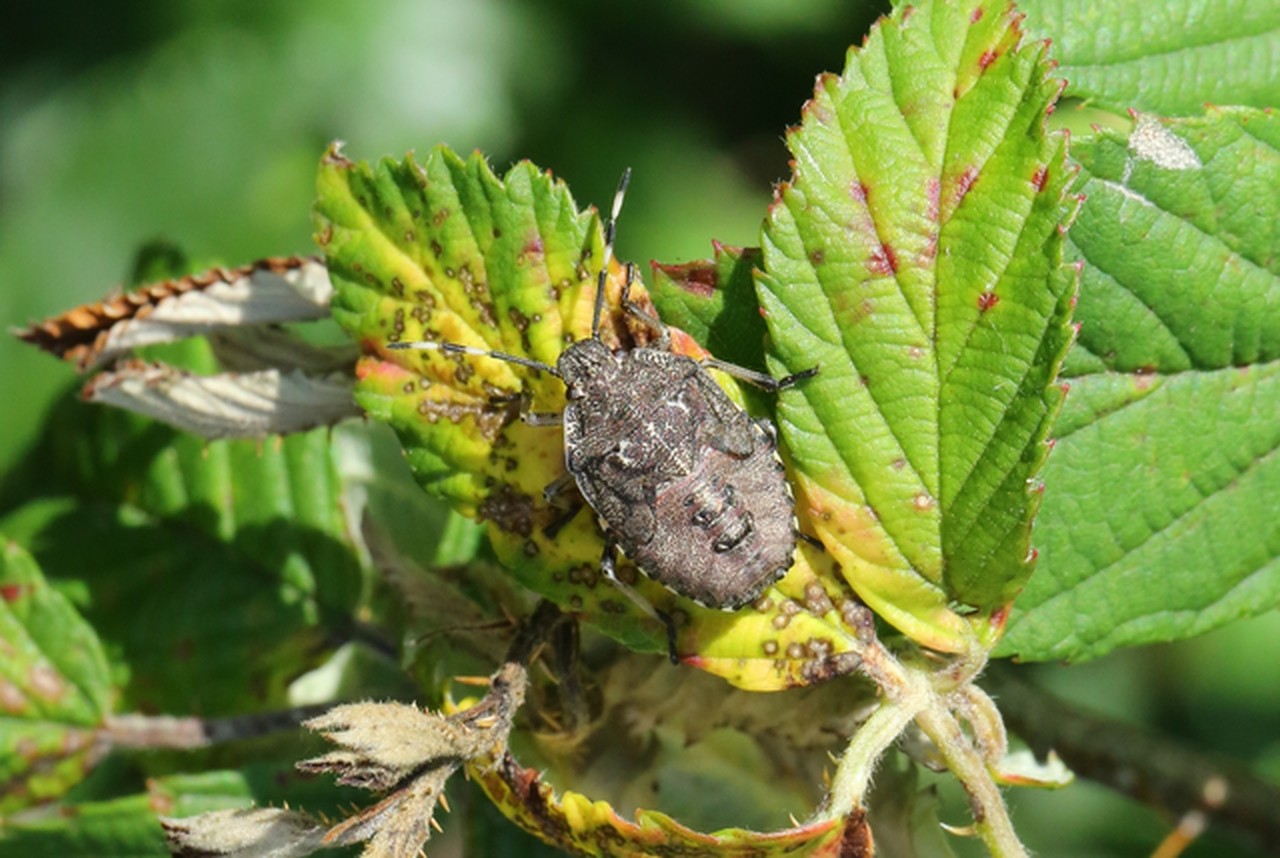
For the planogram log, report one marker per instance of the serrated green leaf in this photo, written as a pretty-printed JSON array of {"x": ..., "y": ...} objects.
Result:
[
  {"x": 1178, "y": 244},
  {"x": 1171, "y": 57},
  {"x": 54, "y": 686},
  {"x": 447, "y": 251},
  {"x": 1158, "y": 521},
  {"x": 214, "y": 571},
  {"x": 913, "y": 258}
]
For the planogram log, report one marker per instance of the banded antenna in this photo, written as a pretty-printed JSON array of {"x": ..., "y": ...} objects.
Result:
[{"x": 610, "y": 228}]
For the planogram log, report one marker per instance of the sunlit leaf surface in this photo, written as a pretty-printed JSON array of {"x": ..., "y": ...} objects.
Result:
[
  {"x": 912, "y": 257},
  {"x": 1159, "y": 519}
]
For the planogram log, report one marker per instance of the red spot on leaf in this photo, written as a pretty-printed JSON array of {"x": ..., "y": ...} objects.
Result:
[
  {"x": 697, "y": 278},
  {"x": 12, "y": 592},
  {"x": 44, "y": 682},
  {"x": 1033, "y": 555},
  {"x": 987, "y": 58},
  {"x": 930, "y": 251},
  {"x": 933, "y": 192},
  {"x": 966, "y": 181},
  {"x": 12, "y": 700},
  {"x": 907, "y": 12},
  {"x": 999, "y": 617},
  {"x": 883, "y": 262},
  {"x": 987, "y": 300},
  {"x": 1051, "y": 443},
  {"x": 1038, "y": 179},
  {"x": 160, "y": 802},
  {"x": 534, "y": 246},
  {"x": 1144, "y": 377},
  {"x": 976, "y": 15},
  {"x": 858, "y": 190}
]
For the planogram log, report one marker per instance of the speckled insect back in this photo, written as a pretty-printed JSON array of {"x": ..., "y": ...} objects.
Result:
[{"x": 684, "y": 482}]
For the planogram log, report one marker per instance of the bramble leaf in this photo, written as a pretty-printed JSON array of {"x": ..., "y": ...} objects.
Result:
[
  {"x": 1158, "y": 523},
  {"x": 912, "y": 257},
  {"x": 248, "y": 538},
  {"x": 1171, "y": 57},
  {"x": 55, "y": 691},
  {"x": 447, "y": 251},
  {"x": 574, "y": 822}
]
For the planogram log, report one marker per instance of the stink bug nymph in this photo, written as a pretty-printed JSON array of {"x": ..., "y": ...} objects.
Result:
[{"x": 685, "y": 482}]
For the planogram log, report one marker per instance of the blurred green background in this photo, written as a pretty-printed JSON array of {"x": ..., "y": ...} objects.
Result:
[{"x": 202, "y": 123}]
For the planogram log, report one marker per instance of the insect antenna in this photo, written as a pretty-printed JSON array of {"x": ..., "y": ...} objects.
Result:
[
  {"x": 609, "y": 228},
  {"x": 459, "y": 349}
]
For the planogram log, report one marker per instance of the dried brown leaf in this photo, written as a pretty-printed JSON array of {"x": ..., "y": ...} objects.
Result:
[{"x": 268, "y": 291}]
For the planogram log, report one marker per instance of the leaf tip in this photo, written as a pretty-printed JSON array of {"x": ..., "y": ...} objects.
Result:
[{"x": 333, "y": 155}]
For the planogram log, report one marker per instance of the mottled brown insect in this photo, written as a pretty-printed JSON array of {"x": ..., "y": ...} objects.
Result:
[{"x": 685, "y": 482}]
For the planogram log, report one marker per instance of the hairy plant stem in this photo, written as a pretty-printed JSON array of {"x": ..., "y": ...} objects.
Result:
[
  {"x": 875, "y": 736},
  {"x": 965, "y": 762},
  {"x": 933, "y": 697}
]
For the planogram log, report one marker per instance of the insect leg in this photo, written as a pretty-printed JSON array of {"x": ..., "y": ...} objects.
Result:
[
  {"x": 556, "y": 488},
  {"x": 571, "y": 509},
  {"x": 459, "y": 349},
  {"x": 608, "y": 568},
  {"x": 542, "y": 418},
  {"x": 809, "y": 539},
  {"x": 566, "y": 650},
  {"x": 759, "y": 379},
  {"x": 664, "y": 336},
  {"x": 558, "y": 495}
]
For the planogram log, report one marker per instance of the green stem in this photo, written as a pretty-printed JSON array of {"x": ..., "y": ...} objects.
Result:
[
  {"x": 906, "y": 693},
  {"x": 991, "y": 817}
]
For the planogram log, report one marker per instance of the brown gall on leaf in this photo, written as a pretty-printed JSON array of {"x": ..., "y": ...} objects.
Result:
[{"x": 279, "y": 289}]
